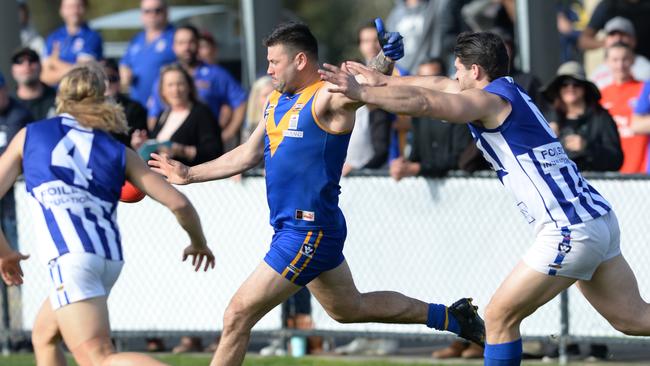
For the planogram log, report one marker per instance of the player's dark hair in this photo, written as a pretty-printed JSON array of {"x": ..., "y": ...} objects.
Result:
[
  {"x": 484, "y": 49},
  {"x": 192, "y": 29},
  {"x": 295, "y": 37}
]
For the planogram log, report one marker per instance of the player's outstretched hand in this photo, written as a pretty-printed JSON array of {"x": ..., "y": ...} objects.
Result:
[
  {"x": 391, "y": 42},
  {"x": 201, "y": 255},
  {"x": 369, "y": 76},
  {"x": 10, "y": 269},
  {"x": 344, "y": 81},
  {"x": 174, "y": 171}
]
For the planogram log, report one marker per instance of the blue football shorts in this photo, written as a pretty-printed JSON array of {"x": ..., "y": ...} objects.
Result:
[{"x": 300, "y": 256}]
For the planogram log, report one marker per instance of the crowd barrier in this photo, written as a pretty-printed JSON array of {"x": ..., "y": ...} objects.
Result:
[{"x": 433, "y": 239}]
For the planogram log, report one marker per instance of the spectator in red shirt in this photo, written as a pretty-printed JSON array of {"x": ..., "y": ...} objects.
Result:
[{"x": 619, "y": 99}]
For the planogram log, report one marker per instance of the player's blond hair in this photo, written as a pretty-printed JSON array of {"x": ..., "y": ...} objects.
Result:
[{"x": 82, "y": 95}]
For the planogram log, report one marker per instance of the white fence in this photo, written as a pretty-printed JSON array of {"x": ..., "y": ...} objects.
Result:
[{"x": 437, "y": 240}]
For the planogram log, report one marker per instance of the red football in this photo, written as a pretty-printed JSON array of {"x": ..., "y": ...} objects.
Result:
[{"x": 131, "y": 193}]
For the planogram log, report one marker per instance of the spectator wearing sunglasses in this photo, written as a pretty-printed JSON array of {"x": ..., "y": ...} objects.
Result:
[
  {"x": 36, "y": 96},
  {"x": 148, "y": 51},
  {"x": 136, "y": 114},
  {"x": 586, "y": 130}
]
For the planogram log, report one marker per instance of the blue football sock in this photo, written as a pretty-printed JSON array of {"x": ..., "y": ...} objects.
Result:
[
  {"x": 439, "y": 318},
  {"x": 503, "y": 354}
]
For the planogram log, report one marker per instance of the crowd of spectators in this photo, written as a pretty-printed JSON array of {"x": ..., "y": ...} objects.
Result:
[
  {"x": 403, "y": 146},
  {"x": 179, "y": 100}
]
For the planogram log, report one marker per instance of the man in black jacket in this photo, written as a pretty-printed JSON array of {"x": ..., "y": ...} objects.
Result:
[
  {"x": 13, "y": 117},
  {"x": 436, "y": 145},
  {"x": 136, "y": 114},
  {"x": 36, "y": 96}
]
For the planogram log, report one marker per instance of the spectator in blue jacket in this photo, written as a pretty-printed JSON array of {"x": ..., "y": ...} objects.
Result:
[
  {"x": 148, "y": 51},
  {"x": 70, "y": 44}
]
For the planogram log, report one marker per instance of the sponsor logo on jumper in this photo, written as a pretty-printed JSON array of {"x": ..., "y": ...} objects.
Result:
[
  {"x": 58, "y": 194},
  {"x": 298, "y": 107},
  {"x": 293, "y": 121},
  {"x": 305, "y": 215},
  {"x": 293, "y": 133},
  {"x": 551, "y": 156}
]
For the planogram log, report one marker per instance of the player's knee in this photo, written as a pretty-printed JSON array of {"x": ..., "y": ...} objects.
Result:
[
  {"x": 344, "y": 313},
  {"x": 94, "y": 352},
  {"x": 342, "y": 317},
  {"x": 631, "y": 327},
  {"x": 236, "y": 317},
  {"x": 498, "y": 316},
  {"x": 45, "y": 335}
]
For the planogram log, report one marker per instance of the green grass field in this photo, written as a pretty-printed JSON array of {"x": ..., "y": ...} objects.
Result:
[
  {"x": 203, "y": 360},
  {"x": 252, "y": 360}
]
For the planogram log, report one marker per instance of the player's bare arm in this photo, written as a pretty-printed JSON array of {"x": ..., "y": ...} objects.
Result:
[
  {"x": 469, "y": 105},
  {"x": 436, "y": 83},
  {"x": 10, "y": 169},
  {"x": 155, "y": 186},
  {"x": 336, "y": 110},
  {"x": 374, "y": 78},
  {"x": 236, "y": 161}
]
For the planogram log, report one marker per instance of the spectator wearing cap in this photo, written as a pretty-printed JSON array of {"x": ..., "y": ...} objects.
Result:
[
  {"x": 618, "y": 98},
  {"x": 208, "y": 49},
  {"x": 29, "y": 37},
  {"x": 637, "y": 11},
  {"x": 215, "y": 86},
  {"x": 586, "y": 130},
  {"x": 136, "y": 114},
  {"x": 148, "y": 51},
  {"x": 13, "y": 117},
  {"x": 72, "y": 43},
  {"x": 620, "y": 29},
  {"x": 36, "y": 96}
]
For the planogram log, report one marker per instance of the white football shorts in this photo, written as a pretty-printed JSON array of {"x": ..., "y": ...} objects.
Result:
[
  {"x": 81, "y": 276},
  {"x": 575, "y": 251}
]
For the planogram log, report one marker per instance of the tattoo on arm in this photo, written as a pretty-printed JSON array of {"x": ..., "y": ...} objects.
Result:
[{"x": 382, "y": 63}]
